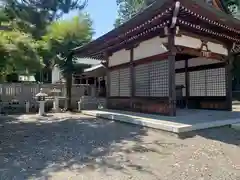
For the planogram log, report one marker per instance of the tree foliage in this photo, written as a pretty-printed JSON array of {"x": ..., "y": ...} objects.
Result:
[
  {"x": 36, "y": 15},
  {"x": 32, "y": 35},
  {"x": 18, "y": 53},
  {"x": 128, "y": 8},
  {"x": 234, "y": 7},
  {"x": 60, "y": 39}
]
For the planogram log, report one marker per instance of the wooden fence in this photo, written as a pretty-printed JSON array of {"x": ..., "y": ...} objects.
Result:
[{"x": 26, "y": 92}]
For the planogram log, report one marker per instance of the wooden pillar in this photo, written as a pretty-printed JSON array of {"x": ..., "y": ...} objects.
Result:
[
  {"x": 228, "y": 73},
  {"x": 99, "y": 85},
  {"x": 171, "y": 72},
  {"x": 132, "y": 77},
  {"x": 108, "y": 79},
  {"x": 95, "y": 87},
  {"x": 186, "y": 83}
]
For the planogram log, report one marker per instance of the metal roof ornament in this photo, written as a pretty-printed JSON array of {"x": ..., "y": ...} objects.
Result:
[{"x": 175, "y": 14}]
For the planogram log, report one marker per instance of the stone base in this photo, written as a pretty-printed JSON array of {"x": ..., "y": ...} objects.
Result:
[
  {"x": 186, "y": 121},
  {"x": 236, "y": 126}
]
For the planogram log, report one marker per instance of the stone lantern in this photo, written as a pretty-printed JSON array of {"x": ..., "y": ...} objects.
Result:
[
  {"x": 56, "y": 93},
  {"x": 41, "y": 98}
]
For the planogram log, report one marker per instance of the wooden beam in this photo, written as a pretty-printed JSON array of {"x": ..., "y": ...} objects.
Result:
[
  {"x": 228, "y": 73},
  {"x": 108, "y": 78},
  {"x": 186, "y": 82},
  {"x": 171, "y": 73},
  {"x": 132, "y": 75},
  {"x": 197, "y": 53}
]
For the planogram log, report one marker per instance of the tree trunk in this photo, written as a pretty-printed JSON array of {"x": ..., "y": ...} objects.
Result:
[
  {"x": 69, "y": 92},
  {"x": 69, "y": 72}
]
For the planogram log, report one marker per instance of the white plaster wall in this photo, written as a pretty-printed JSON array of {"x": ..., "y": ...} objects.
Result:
[
  {"x": 56, "y": 74},
  {"x": 195, "y": 62},
  {"x": 119, "y": 57},
  {"x": 196, "y": 43},
  {"x": 217, "y": 48},
  {"x": 150, "y": 47},
  {"x": 188, "y": 41}
]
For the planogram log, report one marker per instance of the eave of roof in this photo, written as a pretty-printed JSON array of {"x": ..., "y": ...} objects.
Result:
[
  {"x": 134, "y": 21},
  {"x": 205, "y": 9},
  {"x": 220, "y": 16}
]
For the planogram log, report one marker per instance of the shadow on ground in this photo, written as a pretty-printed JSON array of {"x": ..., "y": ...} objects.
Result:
[
  {"x": 224, "y": 134},
  {"x": 36, "y": 149}
]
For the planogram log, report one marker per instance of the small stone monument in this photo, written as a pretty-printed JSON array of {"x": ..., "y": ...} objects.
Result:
[
  {"x": 56, "y": 93},
  {"x": 41, "y": 98}
]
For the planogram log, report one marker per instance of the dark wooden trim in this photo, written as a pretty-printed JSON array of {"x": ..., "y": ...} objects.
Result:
[
  {"x": 158, "y": 57},
  {"x": 201, "y": 8},
  {"x": 120, "y": 66},
  {"x": 206, "y": 98},
  {"x": 196, "y": 52},
  {"x": 108, "y": 79},
  {"x": 152, "y": 98},
  {"x": 186, "y": 82},
  {"x": 119, "y": 97},
  {"x": 171, "y": 72},
  {"x": 119, "y": 83},
  {"x": 187, "y": 28},
  {"x": 202, "y": 67},
  {"x": 132, "y": 46},
  {"x": 228, "y": 76},
  {"x": 161, "y": 57},
  {"x": 132, "y": 75}
]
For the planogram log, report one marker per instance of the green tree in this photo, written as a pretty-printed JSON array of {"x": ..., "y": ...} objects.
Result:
[
  {"x": 234, "y": 7},
  {"x": 62, "y": 36},
  {"x": 36, "y": 15},
  {"x": 18, "y": 53},
  {"x": 128, "y": 8}
]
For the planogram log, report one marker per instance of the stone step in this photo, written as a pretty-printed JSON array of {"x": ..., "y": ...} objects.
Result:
[{"x": 236, "y": 126}]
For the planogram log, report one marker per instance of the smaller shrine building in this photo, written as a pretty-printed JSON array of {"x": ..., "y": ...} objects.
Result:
[{"x": 174, "y": 54}]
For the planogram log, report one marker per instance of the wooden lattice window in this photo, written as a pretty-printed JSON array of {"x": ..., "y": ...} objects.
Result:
[
  {"x": 142, "y": 80},
  {"x": 197, "y": 83},
  {"x": 180, "y": 81},
  {"x": 114, "y": 83},
  {"x": 216, "y": 82},
  {"x": 158, "y": 77},
  {"x": 210, "y": 82},
  {"x": 125, "y": 82}
]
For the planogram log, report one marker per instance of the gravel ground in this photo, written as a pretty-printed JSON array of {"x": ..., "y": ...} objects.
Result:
[{"x": 79, "y": 147}]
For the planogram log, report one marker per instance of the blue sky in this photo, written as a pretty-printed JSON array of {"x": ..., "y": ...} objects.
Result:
[{"x": 103, "y": 14}]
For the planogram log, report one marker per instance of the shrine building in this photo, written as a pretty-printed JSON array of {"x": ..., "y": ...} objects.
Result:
[{"x": 174, "y": 54}]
